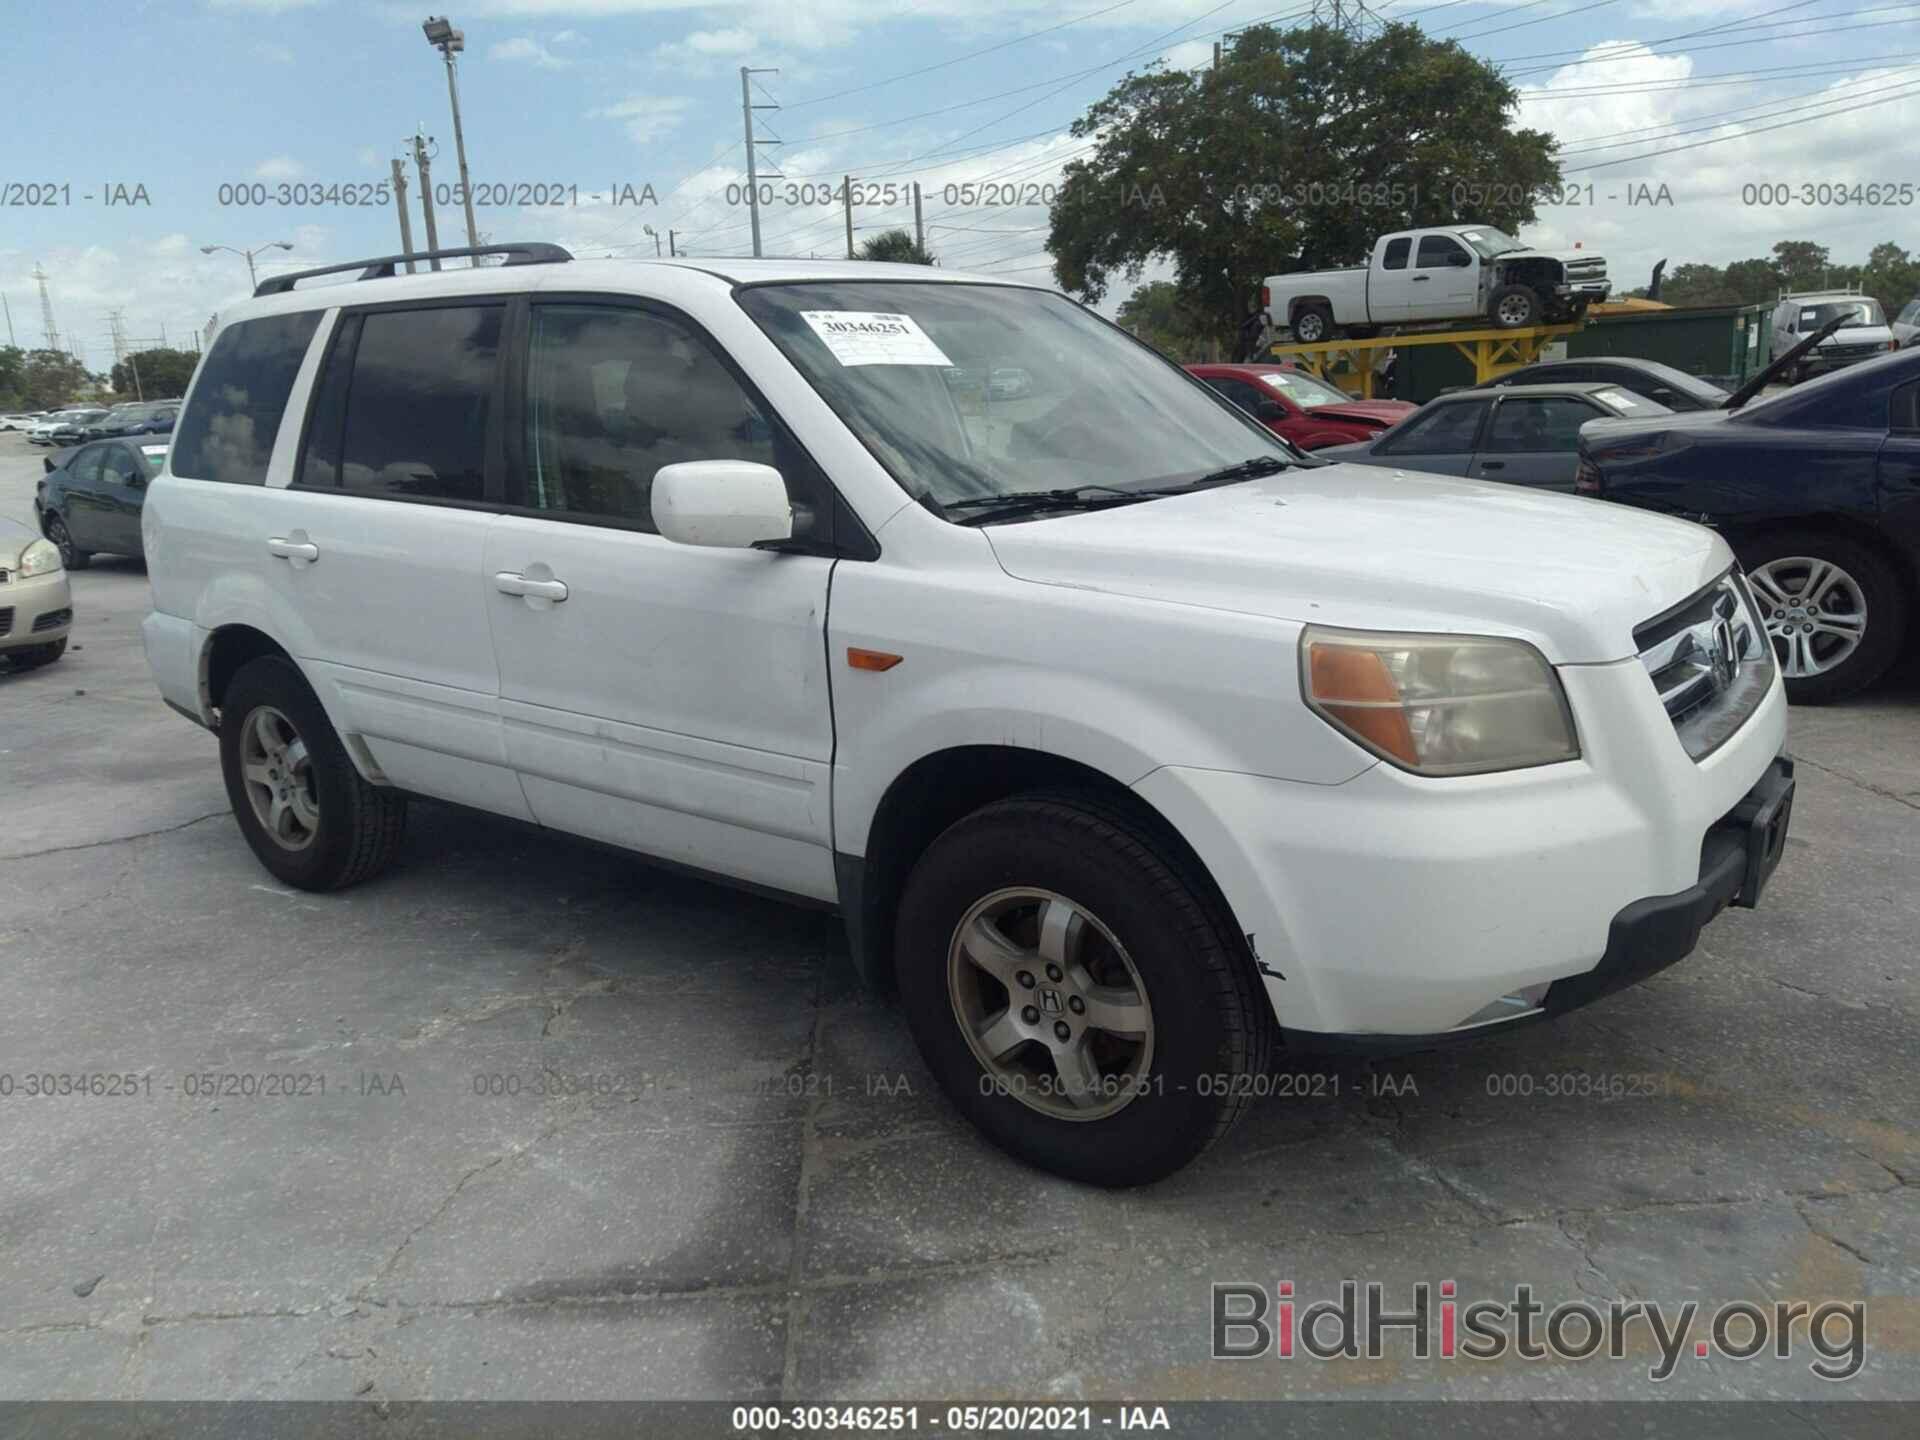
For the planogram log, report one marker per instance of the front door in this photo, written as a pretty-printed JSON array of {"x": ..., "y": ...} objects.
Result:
[
  {"x": 122, "y": 490},
  {"x": 1445, "y": 281},
  {"x": 1534, "y": 440},
  {"x": 668, "y": 698}
]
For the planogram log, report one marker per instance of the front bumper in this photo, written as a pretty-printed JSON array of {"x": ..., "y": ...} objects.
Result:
[
  {"x": 37, "y": 611},
  {"x": 1393, "y": 909}
]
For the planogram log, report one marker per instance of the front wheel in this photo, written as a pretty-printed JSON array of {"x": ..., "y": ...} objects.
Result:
[
  {"x": 1513, "y": 307},
  {"x": 1075, "y": 993},
  {"x": 1834, "y": 609},
  {"x": 306, "y": 812},
  {"x": 71, "y": 555}
]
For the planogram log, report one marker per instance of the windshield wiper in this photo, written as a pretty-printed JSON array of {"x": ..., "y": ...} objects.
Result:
[
  {"x": 1021, "y": 502},
  {"x": 1246, "y": 470}
]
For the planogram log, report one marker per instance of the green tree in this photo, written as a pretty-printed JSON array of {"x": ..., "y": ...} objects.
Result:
[
  {"x": 1156, "y": 314},
  {"x": 51, "y": 378},
  {"x": 13, "y": 366},
  {"x": 897, "y": 246},
  {"x": 1802, "y": 264},
  {"x": 162, "y": 374},
  {"x": 1306, "y": 142}
]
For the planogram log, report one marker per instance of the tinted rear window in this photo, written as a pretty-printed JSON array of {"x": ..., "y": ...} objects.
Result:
[{"x": 228, "y": 431}]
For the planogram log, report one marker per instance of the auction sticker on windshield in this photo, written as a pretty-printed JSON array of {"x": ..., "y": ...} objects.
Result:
[{"x": 869, "y": 337}]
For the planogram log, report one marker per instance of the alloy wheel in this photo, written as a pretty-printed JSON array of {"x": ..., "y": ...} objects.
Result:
[
  {"x": 1815, "y": 613},
  {"x": 277, "y": 770},
  {"x": 1050, "y": 1003}
]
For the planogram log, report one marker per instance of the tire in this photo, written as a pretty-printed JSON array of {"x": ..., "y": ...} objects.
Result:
[
  {"x": 32, "y": 657},
  {"x": 1313, "y": 324},
  {"x": 337, "y": 829},
  {"x": 1858, "y": 597},
  {"x": 1513, "y": 307},
  {"x": 1145, "y": 931},
  {"x": 71, "y": 555}
]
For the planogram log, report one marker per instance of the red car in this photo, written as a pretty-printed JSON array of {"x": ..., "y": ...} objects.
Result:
[{"x": 1297, "y": 407}]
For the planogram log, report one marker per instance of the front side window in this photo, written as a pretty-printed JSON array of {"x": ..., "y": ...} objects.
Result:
[
  {"x": 117, "y": 466},
  {"x": 1532, "y": 423},
  {"x": 1439, "y": 251},
  {"x": 1238, "y": 391},
  {"x": 1097, "y": 409},
  {"x": 228, "y": 430},
  {"x": 404, "y": 404},
  {"x": 85, "y": 466},
  {"x": 1444, "y": 430},
  {"x": 615, "y": 393}
]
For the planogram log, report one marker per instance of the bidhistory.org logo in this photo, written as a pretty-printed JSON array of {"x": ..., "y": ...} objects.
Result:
[{"x": 1250, "y": 1324}]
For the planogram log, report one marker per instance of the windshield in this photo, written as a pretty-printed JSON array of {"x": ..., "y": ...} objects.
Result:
[
  {"x": 1305, "y": 391},
  {"x": 1852, "y": 312},
  {"x": 1490, "y": 242},
  {"x": 1072, "y": 400}
]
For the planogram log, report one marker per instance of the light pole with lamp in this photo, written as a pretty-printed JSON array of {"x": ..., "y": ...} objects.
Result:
[
  {"x": 449, "y": 42},
  {"x": 247, "y": 255}
]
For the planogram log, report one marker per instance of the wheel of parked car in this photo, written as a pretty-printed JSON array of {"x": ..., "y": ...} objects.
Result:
[
  {"x": 1313, "y": 324},
  {"x": 1075, "y": 992},
  {"x": 309, "y": 816},
  {"x": 71, "y": 555},
  {"x": 1514, "y": 307},
  {"x": 1834, "y": 608}
]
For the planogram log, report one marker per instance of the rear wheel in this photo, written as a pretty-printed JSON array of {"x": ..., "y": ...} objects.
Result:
[
  {"x": 1074, "y": 993},
  {"x": 304, "y": 809},
  {"x": 1834, "y": 609},
  {"x": 71, "y": 555},
  {"x": 1313, "y": 324}
]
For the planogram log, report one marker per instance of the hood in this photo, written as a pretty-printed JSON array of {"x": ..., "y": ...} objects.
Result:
[
  {"x": 1385, "y": 412},
  {"x": 14, "y": 538},
  {"x": 1380, "y": 549}
]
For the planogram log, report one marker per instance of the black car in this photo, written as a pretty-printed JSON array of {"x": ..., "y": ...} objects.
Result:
[
  {"x": 154, "y": 417},
  {"x": 90, "y": 498},
  {"x": 75, "y": 429},
  {"x": 1817, "y": 490},
  {"x": 1521, "y": 434},
  {"x": 1649, "y": 379}
]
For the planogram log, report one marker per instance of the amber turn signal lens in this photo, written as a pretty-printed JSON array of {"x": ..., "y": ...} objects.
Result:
[
  {"x": 872, "y": 659},
  {"x": 1356, "y": 688}
]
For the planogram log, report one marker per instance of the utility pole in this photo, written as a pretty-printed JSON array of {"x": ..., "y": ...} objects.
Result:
[
  {"x": 919, "y": 226},
  {"x": 670, "y": 250},
  {"x": 46, "y": 309},
  {"x": 134, "y": 362},
  {"x": 846, "y": 194},
  {"x": 747, "y": 107},
  {"x": 9, "y": 309},
  {"x": 424, "y": 164},
  {"x": 400, "y": 203}
]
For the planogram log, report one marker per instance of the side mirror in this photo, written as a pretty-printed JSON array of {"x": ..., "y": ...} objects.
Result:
[
  {"x": 1270, "y": 410},
  {"x": 1461, "y": 261},
  {"x": 731, "y": 504}
]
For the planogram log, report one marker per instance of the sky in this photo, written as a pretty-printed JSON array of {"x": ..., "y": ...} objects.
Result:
[{"x": 628, "y": 113}]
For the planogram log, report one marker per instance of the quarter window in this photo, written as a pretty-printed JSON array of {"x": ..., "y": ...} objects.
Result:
[
  {"x": 1395, "y": 255},
  {"x": 615, "y": 393},
  {"x": 228, "y": 430}
]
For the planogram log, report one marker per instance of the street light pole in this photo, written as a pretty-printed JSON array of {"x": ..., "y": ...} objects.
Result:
[
  {"x": 253, "y": 279},
  {"x": 448, "y": 41}
]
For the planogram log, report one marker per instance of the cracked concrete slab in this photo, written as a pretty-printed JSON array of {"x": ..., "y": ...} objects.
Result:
[{"x": 592, "y": 1130}]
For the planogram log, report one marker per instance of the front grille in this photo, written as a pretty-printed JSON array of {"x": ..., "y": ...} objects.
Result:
[
  {"x": 6, "y": 622},
  {"x": 52, "y": 620},
  {"x": 1710, "y": 663},
  {"x": 3, "y": 577}
]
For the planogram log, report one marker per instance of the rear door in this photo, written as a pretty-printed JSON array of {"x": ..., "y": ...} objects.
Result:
[
  {"x": 1534, "y": 440},
  {"x": 1439, "y": 440},
  {"x": 668, "y": 698}
]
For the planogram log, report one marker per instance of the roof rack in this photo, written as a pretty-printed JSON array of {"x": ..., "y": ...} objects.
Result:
[
  {"x": 1851, "y": 287},
  {"x": 531, "y": 252}
]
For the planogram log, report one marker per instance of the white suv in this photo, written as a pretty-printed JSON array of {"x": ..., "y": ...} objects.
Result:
[{"x": 1129, "y": 742}]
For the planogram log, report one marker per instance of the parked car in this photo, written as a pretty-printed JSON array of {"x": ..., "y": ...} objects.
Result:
[
  {"x": 24, "y": 421},
  {"x": 36, "y": 605},
  {"x": 1863, "y": 331},
  {"x": 1906, "y": 325},
  {"x": 1649, "y": 379},
  {"x": 1521, "y": 434},
  {"x": 90, "y": 499},
  {"x": 1451, "y": 272},
  {"x": 73, "y": 429},
  {"x": 41, "y": 432},
  {"x": 1126, "y": 749},
  {"x": 1293, "y": 404},
  {"x": 154, "y": 417},
  {"x": 1817, "y": 489}
]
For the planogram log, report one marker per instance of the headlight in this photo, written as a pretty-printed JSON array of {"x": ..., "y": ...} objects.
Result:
[
  {"x": 1439, "y": 704},
  {"x": 38, "y": 558}
]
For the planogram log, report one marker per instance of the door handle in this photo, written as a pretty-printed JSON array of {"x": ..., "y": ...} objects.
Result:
[
  {"x": 1421, "y": 279},
  {"x": 292, "y": 549},
  {"x": 1493, "y": 464},
  {"x": 511, "y": 582}
]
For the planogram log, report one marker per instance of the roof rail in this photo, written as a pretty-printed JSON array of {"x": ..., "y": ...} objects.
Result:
[{"x": 530, "y": 252}]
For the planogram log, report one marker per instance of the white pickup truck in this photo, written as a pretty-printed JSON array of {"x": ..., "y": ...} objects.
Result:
[{"x": 1452, "y": 272}]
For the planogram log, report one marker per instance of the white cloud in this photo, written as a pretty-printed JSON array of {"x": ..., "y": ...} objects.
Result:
[
  {"x": 647, "y": 117},
  {"x": 523, "y": 48},
  {"x": 279, "y": 167}
]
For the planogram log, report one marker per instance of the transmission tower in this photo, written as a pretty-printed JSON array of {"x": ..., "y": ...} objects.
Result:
[
  {"x": 46, "y": 309},
  {"x": 116, "y": 327},
  {"x": 1352, "y": 16}
]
